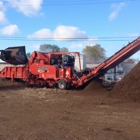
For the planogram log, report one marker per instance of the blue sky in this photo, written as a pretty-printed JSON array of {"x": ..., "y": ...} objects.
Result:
[{"x": 30, "y": 22}]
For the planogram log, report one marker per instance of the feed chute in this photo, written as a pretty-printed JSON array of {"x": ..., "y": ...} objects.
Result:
[{"x": 14, "y": 55}]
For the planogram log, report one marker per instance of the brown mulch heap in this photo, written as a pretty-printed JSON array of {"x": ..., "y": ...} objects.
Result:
[
  {"x": 93, "y": 85},
  {"x": 129, "y": 87}
]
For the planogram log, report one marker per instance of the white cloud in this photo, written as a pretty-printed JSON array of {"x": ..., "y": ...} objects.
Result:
[
  {"x": 35, "y": 47},
  {"x": 134, "y": 35},
  {"x": 68, "y": 32},
  {"x": 61, "y": 32},
  {"x": 117, "y": 9},
  {"x": 9, "y": 30},
  {"x": 3, "y": 19},
  {"x": 89, "y": 42},
  {"x": 27, "y": 7},
  {"x": 41, "y": 34},
  {"x": 77, "y": 46}
]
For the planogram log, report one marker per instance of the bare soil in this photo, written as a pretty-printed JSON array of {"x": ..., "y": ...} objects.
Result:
[{"x": 50, "y": 114}]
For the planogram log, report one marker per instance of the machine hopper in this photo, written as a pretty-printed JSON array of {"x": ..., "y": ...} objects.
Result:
[{"x": 14, "y": 55}]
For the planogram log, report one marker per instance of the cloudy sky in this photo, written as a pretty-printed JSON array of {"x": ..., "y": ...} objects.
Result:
[{"x": 72, "y": 23}]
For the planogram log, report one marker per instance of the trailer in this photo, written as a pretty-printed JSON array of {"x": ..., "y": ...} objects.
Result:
[{"x": 57, "y": 69}]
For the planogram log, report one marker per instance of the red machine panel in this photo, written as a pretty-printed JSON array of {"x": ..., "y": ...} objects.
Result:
[
  {"x": 14, "y": 72},
  {"x": 43, "y": 71}
]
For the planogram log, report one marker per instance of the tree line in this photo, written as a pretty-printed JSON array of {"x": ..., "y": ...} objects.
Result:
[{"x": 94, "y": 53}]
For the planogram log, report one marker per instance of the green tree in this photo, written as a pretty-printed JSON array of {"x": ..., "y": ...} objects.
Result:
[
  {"x": 64, "y": 49},
  {"x": 28, "y": 55},
  {"x": 94, "y": 53},
  {"x": 49, "y": 48}
]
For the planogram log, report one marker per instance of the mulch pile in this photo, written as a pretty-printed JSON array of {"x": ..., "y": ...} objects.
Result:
[
  {"x": 95, "y": 87},
  {"x": 129, "y": 87}
]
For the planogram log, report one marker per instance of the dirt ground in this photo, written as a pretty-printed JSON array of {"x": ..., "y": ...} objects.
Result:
[{"x": 49, "y": 114}]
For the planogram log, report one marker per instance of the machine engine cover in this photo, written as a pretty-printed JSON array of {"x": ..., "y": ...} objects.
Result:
[{"x": 14, "y": 55}]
